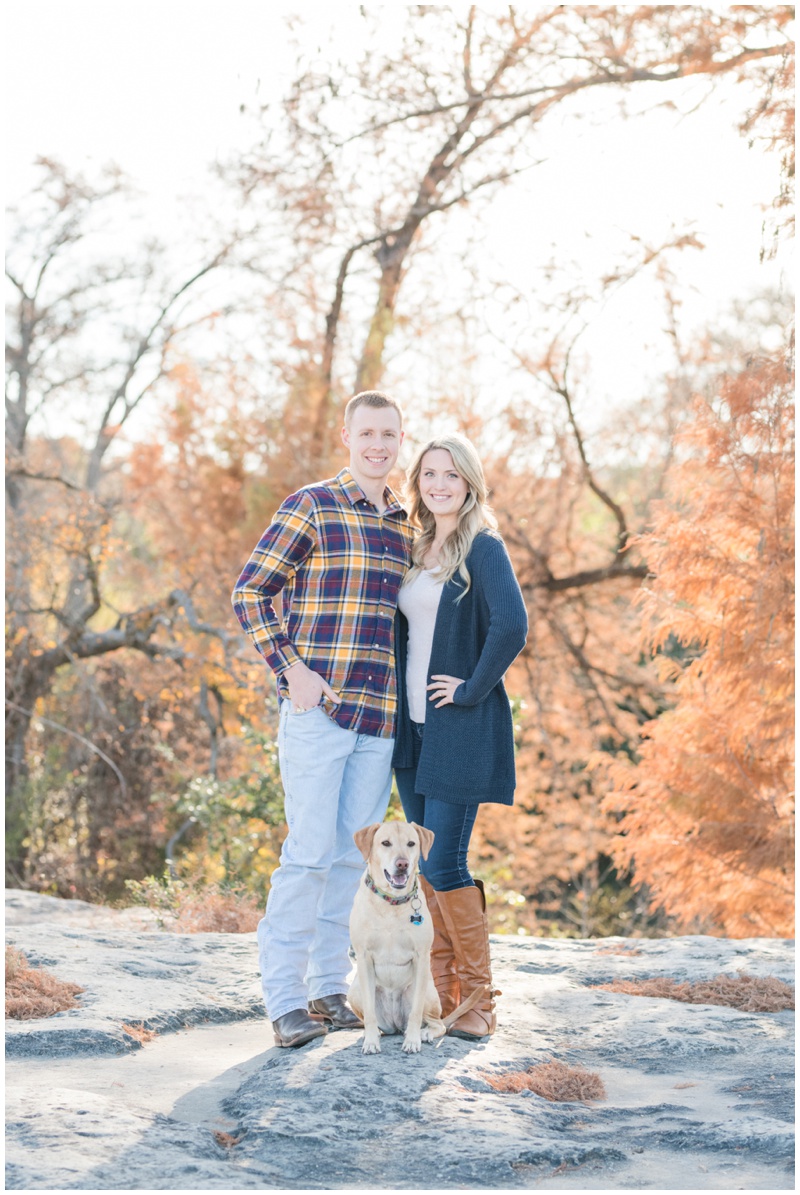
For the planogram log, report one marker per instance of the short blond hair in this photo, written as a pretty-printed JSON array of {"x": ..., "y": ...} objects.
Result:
[{"x": 371, "y": 398}]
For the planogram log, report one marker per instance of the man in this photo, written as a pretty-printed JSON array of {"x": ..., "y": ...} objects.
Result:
[{"x": 337, "y": 553}]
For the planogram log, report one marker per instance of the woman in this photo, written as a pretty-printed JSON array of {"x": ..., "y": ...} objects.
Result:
[{"x": 461, "y": 622}]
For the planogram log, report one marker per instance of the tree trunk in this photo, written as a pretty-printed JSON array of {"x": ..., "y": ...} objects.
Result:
[
  {"x": 391, "y": 258},
  {"x": 32, "y": 680}
]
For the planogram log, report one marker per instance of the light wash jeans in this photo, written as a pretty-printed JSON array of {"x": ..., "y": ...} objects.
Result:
[{"x": 335, "y": 782}]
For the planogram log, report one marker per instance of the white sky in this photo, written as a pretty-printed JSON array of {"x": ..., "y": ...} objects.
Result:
[{"x": 156, "y": 87}]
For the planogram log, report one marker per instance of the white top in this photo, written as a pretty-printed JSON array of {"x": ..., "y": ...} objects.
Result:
[{"x": 419, "y": 601}]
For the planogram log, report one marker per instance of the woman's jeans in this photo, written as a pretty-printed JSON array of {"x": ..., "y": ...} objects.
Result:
[{"x": 446, "y": 865}]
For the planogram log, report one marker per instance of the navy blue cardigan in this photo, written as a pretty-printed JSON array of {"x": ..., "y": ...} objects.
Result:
[{"x": 468, "y": 747}]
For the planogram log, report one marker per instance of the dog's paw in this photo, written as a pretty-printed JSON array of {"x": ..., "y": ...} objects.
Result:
[
  {"x": 371, "y": 1045},
  {"x": 412, "y": 1045},
  {"x": 428, "y": 1034}
]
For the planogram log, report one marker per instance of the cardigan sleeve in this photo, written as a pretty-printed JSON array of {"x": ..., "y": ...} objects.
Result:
[{"x": 508, "y": 626}]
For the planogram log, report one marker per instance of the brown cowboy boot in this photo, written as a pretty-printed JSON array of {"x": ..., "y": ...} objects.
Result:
[
  {"x": 443, "y": 963},
  {"x": 464, "y": 912}
]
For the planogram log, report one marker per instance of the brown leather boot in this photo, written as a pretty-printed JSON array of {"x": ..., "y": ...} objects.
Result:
[
  {"x": 464, "y": 912},
  {"x": 443, "y": 963}
]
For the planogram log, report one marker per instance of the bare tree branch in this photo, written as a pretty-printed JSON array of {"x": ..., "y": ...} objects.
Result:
[
  {"x": 73, "y": 734},
  {"x": 594, "y": 576},
  {"x": 571, "y": 87},
  {"x": 594, "y": 486},
  {"x": 30, "y": 476},
  {"x": 105, "y": 435}
]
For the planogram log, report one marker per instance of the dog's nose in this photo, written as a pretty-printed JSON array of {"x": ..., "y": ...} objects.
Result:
[{"x": 401, "y": 864}]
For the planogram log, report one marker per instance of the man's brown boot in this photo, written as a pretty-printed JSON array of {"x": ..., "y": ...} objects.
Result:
[
  {"x": 443, "y": 963},
  {"x": 464, "y": 912}
]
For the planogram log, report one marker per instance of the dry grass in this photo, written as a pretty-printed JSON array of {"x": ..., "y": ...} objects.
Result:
[
  {"x": 140, "y": 1032},
  {"x": 748, "y": 993},
  {"x": 226, "y": 1140},
  {"x": 630, "y": 951},
  {"x": 553, "y": 1081},
  {"x": 217, "y": 913},
  {"x": 32, "y": 992},
  {"x": 191, "y": 907}
]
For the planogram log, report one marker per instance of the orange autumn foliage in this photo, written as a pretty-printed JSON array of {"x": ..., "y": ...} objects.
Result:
[{"x": 707, "y": 809}]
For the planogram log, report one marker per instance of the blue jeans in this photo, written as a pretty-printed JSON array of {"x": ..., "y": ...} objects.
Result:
[
  {"x": 335, "y": 782},
  {"x": 446, "y": 866}
]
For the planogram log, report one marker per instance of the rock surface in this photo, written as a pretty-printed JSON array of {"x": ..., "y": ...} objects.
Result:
[{"x": 698, "y": 1097}]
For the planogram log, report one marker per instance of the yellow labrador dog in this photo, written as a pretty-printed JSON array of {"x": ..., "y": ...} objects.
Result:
[{"x": 392, "y": 935}]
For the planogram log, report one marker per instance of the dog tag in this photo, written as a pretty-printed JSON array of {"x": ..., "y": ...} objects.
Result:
[{"x": 416, "y": 919}]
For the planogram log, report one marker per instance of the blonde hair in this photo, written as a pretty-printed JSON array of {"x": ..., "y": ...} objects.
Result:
[{"x": 474, "y": 515}]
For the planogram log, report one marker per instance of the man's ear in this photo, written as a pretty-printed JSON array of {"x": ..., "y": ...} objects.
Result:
[
  {"x": 346, "y": 436},
  {"x": 363, "y": 838}
]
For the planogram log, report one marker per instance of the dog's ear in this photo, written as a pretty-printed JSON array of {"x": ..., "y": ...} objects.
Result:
[
  {"x": 425, "y": 839},
  {"x": 363, "y": 838}
]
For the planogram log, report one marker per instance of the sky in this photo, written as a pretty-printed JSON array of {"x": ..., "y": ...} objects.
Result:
[{"x": 158, "y": 88}]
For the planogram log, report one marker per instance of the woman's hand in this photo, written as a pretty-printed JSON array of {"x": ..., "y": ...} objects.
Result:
[{"x": 444, "y": 687}]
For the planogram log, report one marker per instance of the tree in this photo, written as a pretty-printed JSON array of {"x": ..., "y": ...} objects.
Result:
[
  {"x": 706, "y": 808},
  {"x": 125, "y": 747},
  {"x": 342, "y": 202},
  {"x": 90, "y": 334},
  {"x": 441, "y": 119}
]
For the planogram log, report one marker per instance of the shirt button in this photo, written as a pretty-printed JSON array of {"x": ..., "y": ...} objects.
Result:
[{"x": 369, "y": 678}]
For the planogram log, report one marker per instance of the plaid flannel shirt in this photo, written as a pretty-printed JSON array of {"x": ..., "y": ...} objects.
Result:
[{"x": 338, "y": 565}]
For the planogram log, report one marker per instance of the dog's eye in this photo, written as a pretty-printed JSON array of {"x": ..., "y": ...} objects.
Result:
[
  {"x": 411, "y": 844},
  {"x": 386, "y": 842}
]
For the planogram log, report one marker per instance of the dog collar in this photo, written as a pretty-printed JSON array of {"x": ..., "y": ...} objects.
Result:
[
  {"x": 392, "y": 900},
  {"x": 416, "y": 916}
]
